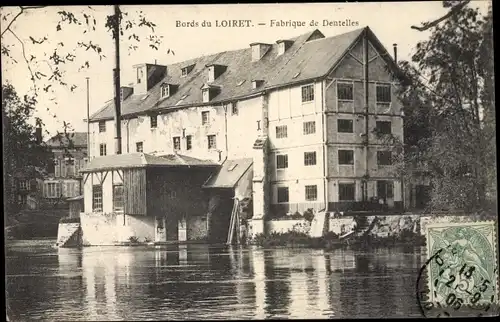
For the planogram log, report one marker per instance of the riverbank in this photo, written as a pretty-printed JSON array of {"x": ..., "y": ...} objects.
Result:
[{"x": 332, "y": 241}]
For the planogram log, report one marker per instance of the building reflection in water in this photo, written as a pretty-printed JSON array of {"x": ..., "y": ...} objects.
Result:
[
  {"x": 100, "y": 267},
  {"x": 277, "y": 284},
  {"x": 204, "y": 282},
  {"x": 259, "y": 278}
]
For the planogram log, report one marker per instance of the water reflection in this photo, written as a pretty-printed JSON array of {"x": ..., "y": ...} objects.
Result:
[{"x": 202, "y": 282}]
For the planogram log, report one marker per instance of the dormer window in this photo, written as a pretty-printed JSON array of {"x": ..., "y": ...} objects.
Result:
[
  {"x": 259, "y": 50},
  {"x": 165, "y": 90},
  {"x": 125, "y": 92},
  {"x": 283, "y": 45},
  {"x": 168, "y": 90},
  {"x": 256, "y": 83},
  {"x": 209, "y": 92},
  {"x": 215, "y": 71},
  {"x": 186, "y": 70}
]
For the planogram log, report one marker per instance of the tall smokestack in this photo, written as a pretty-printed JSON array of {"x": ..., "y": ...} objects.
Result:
[
  {"x": 38, "y": 134},
  {"x": 88, "y": 119},
  {"x": 395, "y": 46},
  {"x": 116, "y": 71}
]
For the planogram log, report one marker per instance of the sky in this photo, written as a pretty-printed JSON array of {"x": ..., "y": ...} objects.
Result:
[{"x": 390, "y": 21}]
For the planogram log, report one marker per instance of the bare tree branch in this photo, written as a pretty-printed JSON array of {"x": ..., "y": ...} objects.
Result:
[
  {"x": 17, "y": 16},
  {"x": 434, "y": 23},
  {"x": 25, "y": 58}
]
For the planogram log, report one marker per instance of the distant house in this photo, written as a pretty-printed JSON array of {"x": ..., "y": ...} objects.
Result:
[
  {"x": 27, "y": 186},
  {"x": 64, "y": 179}
]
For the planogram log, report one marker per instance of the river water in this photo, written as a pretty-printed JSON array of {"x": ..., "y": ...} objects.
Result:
[{"x": 202, "y": 282}]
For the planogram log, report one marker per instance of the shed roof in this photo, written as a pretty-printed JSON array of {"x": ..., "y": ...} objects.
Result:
[
  {"x": 229, "y": 173},
  {"x": 143, "y": 160},
  {"x": 310, "y": 56}
]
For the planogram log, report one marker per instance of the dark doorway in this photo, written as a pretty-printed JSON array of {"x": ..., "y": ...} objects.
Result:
[
  {"x": 221, "y": 216},
  {"x": 422, "y": 196},
  {"x": 385, "y": 190}
]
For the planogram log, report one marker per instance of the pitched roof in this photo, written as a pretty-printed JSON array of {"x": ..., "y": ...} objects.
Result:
[
  {"x": 143, "y": 160},
  {"x": 79, "y": 139},
  {"x": 229, "y": 174},
  {"x": 311, "y": 56}
]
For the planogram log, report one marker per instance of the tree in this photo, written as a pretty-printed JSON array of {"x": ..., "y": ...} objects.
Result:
[
  {"x": 23, "y": 150},
  {"x": 449, "y": 115},
  {"x": 47, "y": 71}
]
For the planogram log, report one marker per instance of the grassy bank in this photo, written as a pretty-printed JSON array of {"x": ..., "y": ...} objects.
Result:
[{"x": 332, "y": 241}]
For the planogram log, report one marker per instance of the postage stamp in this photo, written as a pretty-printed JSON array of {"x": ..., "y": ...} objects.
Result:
[{"x": 462, "y": 268}]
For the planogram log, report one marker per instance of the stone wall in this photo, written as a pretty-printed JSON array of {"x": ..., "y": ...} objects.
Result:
[
  {"x": 384, "y": 227},
  {"x": 68, "y": 235},
  {"x": 112, "y": 229},
  {"x": 394, "y": 225},
  {"x": 288, "y": 225}
]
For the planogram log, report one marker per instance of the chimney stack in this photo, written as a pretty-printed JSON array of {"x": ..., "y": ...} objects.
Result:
[{"x": 395, "y": 46}]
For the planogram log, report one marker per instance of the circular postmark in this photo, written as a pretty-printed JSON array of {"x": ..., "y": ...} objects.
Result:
[{"x": 459, "y": 279}]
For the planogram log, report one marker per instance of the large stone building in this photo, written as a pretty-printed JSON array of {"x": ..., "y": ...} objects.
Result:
[{"x": 291, "y": 125}]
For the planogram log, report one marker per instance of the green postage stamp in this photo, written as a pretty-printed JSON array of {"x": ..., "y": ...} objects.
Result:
[{"x": 462, "y": 270}]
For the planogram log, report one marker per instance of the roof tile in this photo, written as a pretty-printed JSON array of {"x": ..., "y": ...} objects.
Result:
[{"x": 311, "y": 59}]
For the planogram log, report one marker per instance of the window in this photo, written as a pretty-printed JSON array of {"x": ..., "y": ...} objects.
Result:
[
  {"x": 309, "y": 127},
  {"x": 97, "y": 198},
  {"x": 311, "y": 193},
  {"x": 177, "y": 143},
  {"x": 383, "y": 93},
  {"x": 139, "y": 75},
  {"x": 69, "y": 161},
  {"x": 307, "y": 93},
  {"x": 23, "y": 185},
  {"x": 346, "y": 157},
  {"x": 258, "y": 125},
  {"x": 184, "y": 71},
  {"x": 384, "y": 127},
  {"x": 347, "y": 191},
  {"x": 212, "y": 143},
  {"x": 206, "y": 95},
  {"x": 118, "y": 197},
  {"x": 52, "y": 190},
  {"x": 281, "y": 161},
  {"x": 281, "y": 132},
  {"x": 121, "y": 95},
  {"x": 384, "y": 157},
  {"x": 102, "y": 149},
  {"x": 345, "y": 92},
  {"x": 153, "y": 121},
  {"x": 139, "y": 147},
  {"x": 234, "y": 108},
  {"x": 309, "y": 158},
  {"x": 188, "y": 142},
  {"x": 205, "y": 117},
  {"x": 165, "y": 90},
  {"x": 102, "y": 126},
  {"x": 345, "y": 126},
  {"x": 282, "y": 194}
]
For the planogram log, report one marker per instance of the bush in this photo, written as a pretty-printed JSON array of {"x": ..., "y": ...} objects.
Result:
[
  {"x": 297, "y": 215},
  {"x": 309, "y": 214},
  {"x": 133, "y": 239},
  {"x": 69, "y": 220}
]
